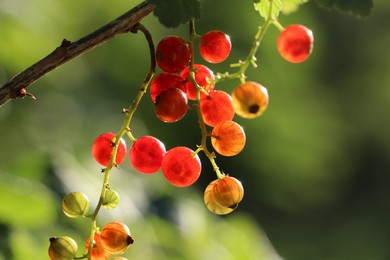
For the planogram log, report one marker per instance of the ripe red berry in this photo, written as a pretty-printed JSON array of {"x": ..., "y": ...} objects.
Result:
[
  {"x": 216, "y": 107},
  {"x": 171, "y": 105},
  {"x": 228, "y": 138},
  {"x": 215, "y": 46},
  {"x": 295, "y": 43},
  {"x": 164, "y": 81},
  {"x": 204, "y": 77},
  {"x": 181, "y": 166},
  {"x": 102, "y": 149},
  {"x": 146, "y": 154},
  {"x": 250, "y": 99},
  {"x": 172, "y": 54},
  {"x": 115, "y": 238}
]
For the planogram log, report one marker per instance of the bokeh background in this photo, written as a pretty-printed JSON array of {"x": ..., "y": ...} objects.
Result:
[{"x": 316, "y": 167}]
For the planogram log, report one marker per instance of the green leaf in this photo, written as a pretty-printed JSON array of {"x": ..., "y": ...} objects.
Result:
[
  {"x": 265, "y": 6},
  {"x": 172, "y": 13},
  {"x": 359, "y": 8},
  {"x": 290, "y": 6}
]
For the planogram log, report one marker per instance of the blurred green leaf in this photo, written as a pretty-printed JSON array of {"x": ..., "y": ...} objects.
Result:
[
  {"x": 264, "y": 8},
  {"x": 359, "y": 8},
  {"x": 28, "y": 203},
  {"x": 290, "y": 6},
  {"x": 172, "y": 13}
]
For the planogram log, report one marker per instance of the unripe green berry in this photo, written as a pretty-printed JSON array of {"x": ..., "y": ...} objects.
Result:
[
  {"x": 62, "y": 248},
  {"x": 111, "y": 199},
  {"x": 75, "y": 204}
]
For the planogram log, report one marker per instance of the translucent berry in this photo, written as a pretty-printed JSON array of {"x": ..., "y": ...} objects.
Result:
[
  {"x": 295, "y": 43},
  {"x": 181, "y": 166},
  {"x": 250, "y": 99},
  {"x": 97, "y": 252},
  {"x": 102, "y": 149},
  {"x": 211, "y": 202},
  {"x": 62, "y": 248},
  {"x": 171, "y": 105},
  {"x": 115, "y": 238},
  {"x": 228, "y": 192},
  {"x": 228, "y": 138},
  {"x": 215, "y": 46},
  {"x": 146, "y": 154},
  {"x": 172, "y": 54},
  {"x": 166, "y": 80},
  {"x": 204, "y": 77},
  {"x": 216, "y": 107},
  {"x": 111, "y": 199},
  {"x": 75, "y": 204}
]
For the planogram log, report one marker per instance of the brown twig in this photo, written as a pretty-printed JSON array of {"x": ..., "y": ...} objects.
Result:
[{"x": 16, "y": 87}]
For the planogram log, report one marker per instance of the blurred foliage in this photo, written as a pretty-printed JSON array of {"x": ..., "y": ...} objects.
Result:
[{"x": 315, "y": 169}]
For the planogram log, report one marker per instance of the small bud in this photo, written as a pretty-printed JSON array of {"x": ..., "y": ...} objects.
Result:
[
  {"x": 75, "y": 204},
  {"x": 111, "y": 199},
  {"x": 62, "y": 248}
]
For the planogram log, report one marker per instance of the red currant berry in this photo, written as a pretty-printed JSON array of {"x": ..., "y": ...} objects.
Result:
[
  {"x": 62, "y": 248},
  {"x": 146, "y": 154},
  {"x": 215, "y": 46},
  {"x": 171, "y": 105},
  {"x": 228, "y": 192},
  {"x": 98, "y": 252},
  {"x": 204, "y": 77},
  {"x": 295, "y": 43},
  {"x": 164, "y": 81},
  {"x": 250, "y": 99},
  {"x": 102, "y": 149},
  {"x": 181, "y": 166},
  {"x": 115, "y": 238},
  {"x": 228, "y": 138},
  {"x": 211, "y": 202},
  {"x": 216, "y": 107},
  {"x": 172, "y": 54}
]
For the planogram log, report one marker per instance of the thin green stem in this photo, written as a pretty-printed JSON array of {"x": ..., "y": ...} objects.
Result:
[
  {"x": 251, "y": 57},
  {"x": 125, "y": 129},
  {"x": 203, "y": 146}
]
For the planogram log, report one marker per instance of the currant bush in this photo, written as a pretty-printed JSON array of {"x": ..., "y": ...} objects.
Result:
[
  {"x": 103, "y": 146},
  {"x": 295, "y": 43},
  {"x": 181, "y": 166},
  {"x": 215, "y": 46},
  {"x": 204, "y": 77},
  {"x": 250, "y": 99},
  {"x": 228, "y": 138},
  {"x": 146, "y": 154},
  {"x": 172, "y": 54}
]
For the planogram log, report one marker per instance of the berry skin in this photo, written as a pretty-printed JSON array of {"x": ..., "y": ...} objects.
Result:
[
  {"x": 215, "y": 46},
  {"x": 171, "y": 105},
  {"x": 146, "y": 154},
  {"x": 181, "y": 167},
  {"x": 115, "y": 238},
  {"x": 250, "y": 99},
  {"x": 204, "y": 77},
  {"x": 228, "y": 192},
  {"x": 75, "y": 204},
  {"x": 102, "y": 149},
  {"x": 98, "y": 252},
  {"x": 211, "y": 202},
  {"x": 216, "y": 107},
  {"x": 172, "y": 54},
  {"x": 228, "y": 138},
  {"x": 295, "y": 43},
  {"x": 163, "y": 81},
  {"x": 62, "y": 248}
]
